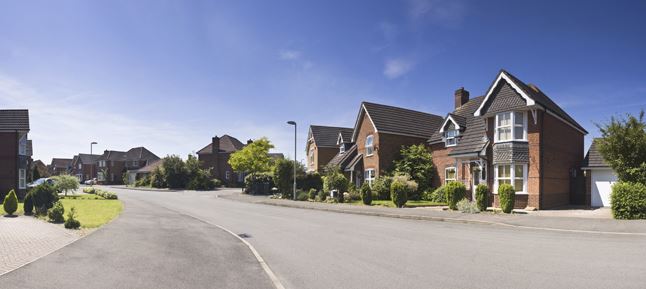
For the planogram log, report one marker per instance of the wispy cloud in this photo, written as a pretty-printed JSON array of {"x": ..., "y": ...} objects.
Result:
[
  {"x": 446, "y": 13},
  {"x": 388, "y": 30},
  {"x": 287, "y": 54},
  {"x": 397, "y": 67}
]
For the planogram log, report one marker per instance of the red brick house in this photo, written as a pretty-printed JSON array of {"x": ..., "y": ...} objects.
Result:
[
  {"x": 323, "y": 145},
  {"x": 60, "y": 166},
  {"x": 113, "y": 165},
  {"x": 14, "y": 158},
  {"x": 84, "y": 166},
  {"x": 513, "y": 134},
  {"x": 215, "y": 156}
]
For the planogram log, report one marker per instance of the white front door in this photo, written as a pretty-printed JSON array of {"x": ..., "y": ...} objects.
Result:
[{"x": 602, "y": 181}]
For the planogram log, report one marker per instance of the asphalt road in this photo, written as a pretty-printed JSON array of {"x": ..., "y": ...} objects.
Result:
[{"x": 315, "y": 249}]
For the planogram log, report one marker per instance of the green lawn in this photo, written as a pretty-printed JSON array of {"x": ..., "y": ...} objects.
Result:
[
  {"x": 91, "y": 210},
  {"x": 409, "y": 204},
  {"x": 20, "y": 210}
]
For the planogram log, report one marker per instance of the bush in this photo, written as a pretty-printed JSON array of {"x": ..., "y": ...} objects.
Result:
[
  {"x": 28, "y": 204},
  {"x": 455, "y": 192},
  {"x": 44, "y": 196},
  {"x": 56, "y": 213},
  {"x": 312, "y": 193},
  {"x": 465, "y": 206},
  {"x": 301, "y": 196},
  {"x": 143, "y": 182},
  {"x": 352, "y": 196},
  {"x": 628, "y": 200},
  {"x": 312, "y": 181},
  {"x": 175, "y": 172},
  {"x": 72, "y": 222},
  {"x": 201, "y": 181},
  {"x": 335, "y": 180},
  {"x": 321, "y": 196},
  {"x": 106, "y": 195},
  {"x": 260, "y": 183},
  {"x": 381, "y": 187},
  {"x": 157, "y": 179},
  {"x": 482, "y": 194},
  {"x": 437, "y": 196},
  {"x": 216, "y": 183},
  {"x": 10, "y": 203},
  {"x": 399, "y": 193},
  {"x": 89, "y": 190},
  {"x": 366, "y": 194},
  {"x": 507, "y": 197}
]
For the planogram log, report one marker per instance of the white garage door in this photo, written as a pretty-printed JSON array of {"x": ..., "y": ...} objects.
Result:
[{"x": 602, "y": 181}]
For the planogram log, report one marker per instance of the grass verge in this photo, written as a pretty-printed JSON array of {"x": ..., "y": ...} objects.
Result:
[{"x": 91, "y": 210}]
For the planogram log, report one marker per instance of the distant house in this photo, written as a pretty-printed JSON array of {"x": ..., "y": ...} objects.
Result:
[
  {"x": 14, "y": 157},
  {"x": 215, "y": 156},
  {"x": 134, "y": 175},
  {"x": 43, "y": 172},
  {"x": 113, "y": 165},
  {"x": 599, "y": 177},
  {"x": 84, "y": 166},
  {"x": 322, "y": 145},
  {"x": 60, "y": 166},
  {"x": 346, "y": 157}
]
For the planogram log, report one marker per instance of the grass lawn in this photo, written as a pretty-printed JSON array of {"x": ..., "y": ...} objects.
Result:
[
  {"x": 19, "y": 211},
  {"x": 91, "y": 210},
  {"x": 409, "y": 204}
]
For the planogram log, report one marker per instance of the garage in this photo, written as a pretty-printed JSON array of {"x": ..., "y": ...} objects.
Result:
[{"x": 601, "y": 181}]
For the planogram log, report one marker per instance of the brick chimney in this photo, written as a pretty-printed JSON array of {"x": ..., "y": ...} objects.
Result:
[
  {"x": 461, "y": 97},
  {"x": 215, "y": 144}
]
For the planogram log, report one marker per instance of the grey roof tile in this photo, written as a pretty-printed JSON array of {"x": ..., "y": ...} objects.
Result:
[
  {"x": 397, "y": 120},
  {"x": 228, "y": 144},
  {"x": 14, "y": 119},
  {"x": 326, "y": 136},
  {"x": 594, "y": 158}
]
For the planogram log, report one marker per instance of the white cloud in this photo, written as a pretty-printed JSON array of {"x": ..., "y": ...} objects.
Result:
[
  {"x": 395, "y": 68},
  {"x": 290, "y": 54},
  {"x": 442, "y": 12}
]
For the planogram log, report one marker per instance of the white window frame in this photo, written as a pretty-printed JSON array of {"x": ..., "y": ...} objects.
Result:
[
  {"x": 80, "y": 166},
  {"x": 22, "y": 179},
  {"x": 512, "y": 177},
  {"x": 370, "y": 145},
  {"x": 134, "y": 163},
  {"x": 512, "y": 125},
  {"x": 102, "y": 164},
  {"x": 369, "y": 176},
  {"x": 451, "y": 141},
  {"x": 446, "y": 179},
  {"x": 22, "y": 145},
  {"x": 311, "y": 156},
  {"x": 342, "y": 149}
]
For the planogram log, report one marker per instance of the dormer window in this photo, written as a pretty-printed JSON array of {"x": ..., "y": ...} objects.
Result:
[
  {"x": 451, "y": 137},
  {"x": 511, "y": 126},
  {"x": 342, "y": 149}
]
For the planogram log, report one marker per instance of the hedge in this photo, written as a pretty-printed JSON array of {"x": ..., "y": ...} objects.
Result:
[
  {"x": 628, "y": 200},
  {"x": 507, "y": 197},
  {"x": 455, "y": 192},
  {"x": 482, "y": 193}
]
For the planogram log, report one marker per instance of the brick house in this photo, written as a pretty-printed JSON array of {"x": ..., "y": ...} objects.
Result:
[
  {"x": 215, "y": 156},
  {"x": 379, "y": 134},
  {"x": 14, "y": 159},
  {"x": 346, "y": 157},
  {"x": 112, "y": 165},
  {"x": 60, "y": 166},
  {"x": 513, "y": 134},
  {"x": 322, "y": 145},
  {"x": 84, "y": 166},
  {"x": 41, "y": 167}
]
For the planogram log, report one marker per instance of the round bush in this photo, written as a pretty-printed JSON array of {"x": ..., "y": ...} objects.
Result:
[
  {"x": 399, "y": 193},
  {"x": 10, "y": 203},
  {"x": 482, "y": 193},
  {"x": 366, "y": 194},
  {"x": 507, "y": 197},
  {"x": 455, "y": 192},
  {"x": 381, "y": 187},
  {"x": 44, "y": 196},
  {"x": 628, "y": 200},
  {"x": 439, "y": 195},
  {"x": 56, "y": 213},
  {"x": 28, "y": 204},
  {"x": 312, "y": 193},
  {"x": 321, "y": 196}
]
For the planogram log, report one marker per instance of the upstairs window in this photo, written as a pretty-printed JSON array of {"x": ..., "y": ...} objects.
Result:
[
  {"x": 22, "y": 179},
  {"x": 311, "y": 156},
  {"x": 370, "y": 148},
  {"x": 511, "y": 126},
  {"x": 342, "y": 149},
  {"x": 22, "y": 145},
  {"x": 80, "y": 166},
  {"x": 451, "y": 137}
]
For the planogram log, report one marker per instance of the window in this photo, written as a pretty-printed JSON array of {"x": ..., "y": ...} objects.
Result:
[
  {"x": 101, "y": 176},
  {"x": 511, "y": 126},
  {"x": 312, "y": 156},
  {"x": 102, "y": 164},
  {"x": 514, "y": 174},
  {"x": 22, "y": 145},
  {"x": 450, "y": 174},
  {"x": 135, "y": 163},
  {"x": 451, "y": 137},
  {"x": 369, "y": 145},
  {"x": 22, "y": 178},
  {"x": 227, "y": 175},
  {"x": 342, "y": 149},
  {"x": 369, "y": 176},
  {"x": 80, "y": 166}
]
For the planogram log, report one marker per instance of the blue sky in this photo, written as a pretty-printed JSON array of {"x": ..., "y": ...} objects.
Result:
[{"x": 169, "y": 75}]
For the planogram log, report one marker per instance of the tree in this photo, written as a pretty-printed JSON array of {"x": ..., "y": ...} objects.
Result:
[
  {"x": 417, "y": 162},
  {"x": 65, "y": 183},
  {"x": 175, "y": 172},
  {"x": 253, "y": 158},
  {"x": 334, "y": 180},
  {"x": 623, "y": 147},
  {"x": 284, "y": 176}
]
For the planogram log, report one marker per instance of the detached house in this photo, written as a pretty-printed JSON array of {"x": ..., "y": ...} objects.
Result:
[
  {"x": 60, "y": 166},
  {"x": 84, "y": 166},
  {"x": 113, "y": 165},
  {"x": 324, "y": 143},
  {"x": 514, "y": 134},
  {"x": 14, "y": 127},
  {"x": 215, "y": 156}
]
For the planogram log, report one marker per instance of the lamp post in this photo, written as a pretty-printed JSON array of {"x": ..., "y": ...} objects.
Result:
[
  {"x": 291, "y": 122},
  {"x": 91, "y": 170}
]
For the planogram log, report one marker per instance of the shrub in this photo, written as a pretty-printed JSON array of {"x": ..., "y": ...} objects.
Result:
[
  {"x": 106, "y": 195},
  {"x": 366, "y": 194},
  {"x": 455, "y": 192},
  {"x": 44, "y": 196},
  {"x": 417, "y": 162},
  {"x": 89, "y": 190},
  {"x": 312, "y": 193},
  {"x": 261, "y": 183},
  {"x": 72, "y": 222},
  {"x": 143, "y": 182},
  {"x": 507, "y": 197},
  {"x": 482, "y": 194},
  {"x": 283, "y": 173},
  {"x": 56, "y": 213},
  {"x": 28, "y": 204},
  {"x": 321, "y": 196},
  {"x": 335, "y": 180},
  {"x": 216, "y": 183},
  {"x": 10, "y": 203},
  {"x": 399, "y": 193},
  {"x": 201, "y": 180},
  {"x": 466, "y": 206},
  {"x": 628, "y": 200},
  {"x": 157, "y": 179},
  {"x": 312, "y": 181},
  {"x": 437, "y": 196},
  {"x": 352, "y": 196},
  {"x": 381, "y": 187},
  {"x": 301, "y": 196},
  {"x": 175, "y": 172}
]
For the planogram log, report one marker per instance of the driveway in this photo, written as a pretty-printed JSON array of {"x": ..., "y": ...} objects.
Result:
[{"x": 146, "y": 247}]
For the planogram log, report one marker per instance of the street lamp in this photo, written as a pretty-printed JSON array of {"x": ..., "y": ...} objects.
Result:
[
  {"x": 291, "y": 122},
  {"x": 91, "y": 170}
]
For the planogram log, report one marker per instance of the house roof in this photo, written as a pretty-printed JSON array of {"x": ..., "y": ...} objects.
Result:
[
  {"x": 14, "y": 119},
  {"x": 150, "y": 167},
  {"x": 594, "y": 159},
  {"x": 61, "y": 163},
  {"x": 327, "y": 136},
  {"x": 88, "y": 158},
  {"x": 463, "y": 115},
  {"x": 353, "y": 162},
  {"x": 345, "y": 135},
  {"x": 277, "y": 156},
  {"x": 30, "y": 148},
  {"x": 342, "y": 159},
  {"x": 397, "y": 120},
  {"x": 228, "y": 144},
  {"x": 134, "y": 154}
]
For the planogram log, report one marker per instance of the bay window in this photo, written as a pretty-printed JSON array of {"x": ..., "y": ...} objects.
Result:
[
  {"x": 511, "y": 126},
  {"x": 22, "y": 178},
  {"x": 450, "y": 175},
  {"x": 513, "y": 174},
  {"x": 369, "y": 176},
  {"x": 369, "y": 145}
]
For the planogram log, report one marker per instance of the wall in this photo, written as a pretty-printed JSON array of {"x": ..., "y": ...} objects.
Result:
[
  {"x": 366, "y": 128},
  {"x": 8, "y": 162}
]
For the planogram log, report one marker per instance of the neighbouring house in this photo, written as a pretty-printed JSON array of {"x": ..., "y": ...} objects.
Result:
[
  {"x": 14, "y": 157},
  {"x": 599, "y": 177},
  {"x": 43, "y": 172},
  {"x": 60, "y": 166},
  {"x": 112, "y": 166},
  {"x": 215, "y": 156},
  {"x": 346, "y": 156},
  {"x": 322, "y": 145},
  {"x": 380, "y": 132},
  {"x": 134, "y": 175},
  {"x": 84, "y": 166},
  {"x": 514, "y": 134}
]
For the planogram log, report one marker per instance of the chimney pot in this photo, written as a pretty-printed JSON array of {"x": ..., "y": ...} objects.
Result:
[{"x": 461, "y": 97}]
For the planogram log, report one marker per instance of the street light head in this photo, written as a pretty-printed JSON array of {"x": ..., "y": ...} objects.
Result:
[
  {"x": 94, "y": 142},
  {"x": 291, "y": 122}
]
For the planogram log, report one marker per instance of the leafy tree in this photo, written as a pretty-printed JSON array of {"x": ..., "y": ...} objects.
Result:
[
  {"x": 253, "y": 158},
  {"x": 623, "y": 146},
  {"x": 284, "y": 176},
  {"x": 175, "y": 172},
  {"x": 335, "y": 180},
  {"x": 65, "y": 183},
  {"x": 417, "y": 162}
]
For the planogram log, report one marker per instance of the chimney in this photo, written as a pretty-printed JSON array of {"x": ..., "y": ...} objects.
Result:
[
  {"x": 215, "y": 144},
  {"x": 461, "y": 97},
  {"x": 249, "y": 141}
]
